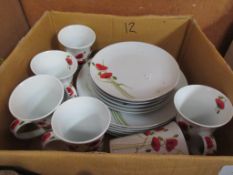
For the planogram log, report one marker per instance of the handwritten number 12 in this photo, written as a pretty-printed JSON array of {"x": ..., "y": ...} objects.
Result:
[{"x": 130, "y": 27}]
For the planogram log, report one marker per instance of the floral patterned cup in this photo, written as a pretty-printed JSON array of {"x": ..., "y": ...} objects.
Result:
[
  {"x": 201, "y": 145},
  {"x": 168, "y": 139},
  {"x": 32, "y": 102},
  {"x": 202, "y": 109},
  {"x": 59, "y": 64},
  {"x": 77, "y": 40},
  {"x": 79, "y": 124}
]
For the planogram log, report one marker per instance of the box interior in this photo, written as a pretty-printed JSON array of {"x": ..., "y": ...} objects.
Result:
[{"x": 180, "y": 36}]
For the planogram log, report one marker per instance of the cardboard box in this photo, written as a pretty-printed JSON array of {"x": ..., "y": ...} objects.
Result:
[
  {"x": 181, "y": 36},
  {"x": 13, "y": 26},
  {"x": 214, "y": 16},
  {"x": 229, "y": 55}
]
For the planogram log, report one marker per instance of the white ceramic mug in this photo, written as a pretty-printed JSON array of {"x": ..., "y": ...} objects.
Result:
[
  {"x": 80, "y": 123},
  {"x": 202, "y": 109},
  {"x": 77, "y": 39},
  {"x": 168, "y": 139},
  {"x": 32, "y": 102},
  {"x": 59, "y": 64}
]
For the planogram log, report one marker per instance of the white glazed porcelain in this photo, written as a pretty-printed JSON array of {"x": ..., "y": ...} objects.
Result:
[
  {"x": 126, "y": 123},
  {"x": 168, "y": 139},
  {"x": 201, "y": 110},
  {"x": 33, "y": 101},
  {"x": 132, "y": 108},
  {"x": 59, "y": 64},
  {"x": 77, "y": 39},
  {"x": 205, "y": 108},
  {"x": 79, "y": 122},
  {"x": 134, "y": 71}
]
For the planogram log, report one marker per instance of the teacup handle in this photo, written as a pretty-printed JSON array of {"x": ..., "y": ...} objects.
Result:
[
  {"x": 47, "y": 138},
  {"x": 50, "y": 137},
  {"x": 16, "y": 125},
  {"x": 210, "y": 145},
  {"x": 70, "y": 91}
]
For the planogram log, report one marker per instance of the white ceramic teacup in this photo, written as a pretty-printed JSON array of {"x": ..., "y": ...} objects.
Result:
[
  {"x": 168, "y": 139},
  {"x": 80, "y": 123},
  {"x": 202, "y": 109},
  {"x": 77, "y": 39},
  {"x": 32, "y": 102},
  {"x": 59, "y": 64}
]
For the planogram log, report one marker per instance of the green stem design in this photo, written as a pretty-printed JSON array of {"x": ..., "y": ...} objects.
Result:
[
  {"x": 114, "y": 83},
  {"x": 118, "y": 117},
  {"x": 143, "y": 145},
  {"x": 115, "y": 117},
  {"x": 120, "y": 89}
]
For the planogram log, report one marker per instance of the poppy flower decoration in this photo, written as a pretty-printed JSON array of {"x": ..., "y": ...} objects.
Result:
[
  {"x": 155, "y": 143},
  {"x": 209, "y": 142},
  {"x": 70, "y": 91},
  {"x": 152, "y": 132},
  {"x": 107, "y": 76},
  {"x": 220, "y": 103},
  {"x": 47, "y": 136},
  {"x": 148, "y": 132},
  {"x": 15, "y": 123},
  {"x": 80, "y": 57},
  {"x": 169, "y": 144},
  {"x": 69, "y": 61}
]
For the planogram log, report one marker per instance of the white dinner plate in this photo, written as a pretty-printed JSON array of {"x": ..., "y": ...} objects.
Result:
[
  {"x": 127, "y": 121},
  {"x": 134, "y": 71}
]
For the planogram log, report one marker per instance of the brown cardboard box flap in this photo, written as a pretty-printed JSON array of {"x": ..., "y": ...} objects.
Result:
[{"x": 114, "y": 164}]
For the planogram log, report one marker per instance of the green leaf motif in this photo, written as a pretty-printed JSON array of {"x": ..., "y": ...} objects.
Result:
[
  {"x": 99, "y": 73},
  {"x": 93, "y": 64},
  {"x": 220, "y": 97},
  {"x": 114, "y": 77},
  {"x": 176, "y": 135}
]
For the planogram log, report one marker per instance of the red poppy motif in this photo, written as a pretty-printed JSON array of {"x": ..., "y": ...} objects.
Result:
[
  {"x": 155, "y": 144},
  {"x": 220, "y": 103},
  {"x": 14, "y": 124},
  {"x": 183, "y": 125},
  {"x": 209, "y": 142},
  {"x": 81, "y": 62},
  {"x": 69, "y": 90},
  {"x": 69, "y": 60},
  {"x": 106, "y": 75},
  {"x": 79, "y": 56},
  {"x": 45, "y": 136},
  {"x": 147, "y": 133},
  {"x": 101, "y": 67},
  {"x": 109, "y": 77},
  {"x": 171, "y": 144}
]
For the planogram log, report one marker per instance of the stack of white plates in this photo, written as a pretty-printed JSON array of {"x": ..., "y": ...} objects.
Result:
[
  {"x": 134, "y": 77},
  {"x": 126, "y": 123}
]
